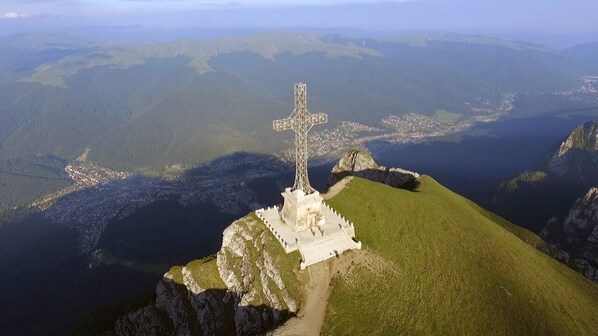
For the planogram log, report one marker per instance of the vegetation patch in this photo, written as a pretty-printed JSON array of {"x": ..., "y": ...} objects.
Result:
[
  {"x": 584, "y": 137},
  {"x": 453, "y": 268},
  {"x": 176, "y": 274},
  {"x": 446, "y": 117},
  {"x": 205, "y": 272},
  {"x": 529, "y": 177},
  {"x": 287, "y": 264}
]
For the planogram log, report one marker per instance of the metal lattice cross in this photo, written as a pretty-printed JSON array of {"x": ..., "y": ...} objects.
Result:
[{"x": 300, "y": 121}]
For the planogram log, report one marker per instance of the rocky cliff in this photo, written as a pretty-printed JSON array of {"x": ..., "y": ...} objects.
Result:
[
  {"x": 577, "y": 236},
  {"x": 578, "y": 154},
  {"x": 414, "y": 240},
  {"x": 554, "y": 183},
  {"x": 249, "y": 287},
  {"x": 361, "y": 164}
]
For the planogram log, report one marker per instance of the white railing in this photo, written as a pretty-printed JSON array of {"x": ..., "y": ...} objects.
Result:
[
  {"x": 288, "y": 247},
  {"x": 338, "y": 214}
]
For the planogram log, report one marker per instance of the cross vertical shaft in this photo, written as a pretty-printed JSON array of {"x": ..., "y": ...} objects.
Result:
[
  {"x": 300, "y": 121},
  {"x": 301, "y": 177}
]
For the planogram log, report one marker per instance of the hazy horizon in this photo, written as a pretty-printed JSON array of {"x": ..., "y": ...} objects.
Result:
[{"x": 553, "y": 22}]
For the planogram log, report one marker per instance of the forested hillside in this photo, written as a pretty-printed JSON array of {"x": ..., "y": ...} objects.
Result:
[{"x": 143, "y": 107}]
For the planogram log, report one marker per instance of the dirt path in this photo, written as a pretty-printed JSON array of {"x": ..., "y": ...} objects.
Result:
[
  {"x": 337, "y": 187},
  {"x": 316, "y": 283},
  {"x": 310, "y": 319}
]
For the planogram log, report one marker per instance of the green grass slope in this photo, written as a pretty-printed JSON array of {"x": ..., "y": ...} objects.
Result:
[{"x": 436, "y": 263}]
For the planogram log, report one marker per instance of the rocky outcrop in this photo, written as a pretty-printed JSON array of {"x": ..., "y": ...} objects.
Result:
[
  {"x": 578, "y": 154},
  {"x": 554, "y": 183},
  {"x": 246, "y": 267},
  {"x": 148, "y": 320},
  {"x": 361, "y": 164},
  {"x": 581, "y": 225},
  {"x": 247, "y": 289},
  {"x": 577, "y": 235}
]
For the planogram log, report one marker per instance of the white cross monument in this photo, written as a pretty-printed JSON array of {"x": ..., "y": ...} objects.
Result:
[
  {"x": 306, "y": 223},
  {"x": 302, "y": 208}
]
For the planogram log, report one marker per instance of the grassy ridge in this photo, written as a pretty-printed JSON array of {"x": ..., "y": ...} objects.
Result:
[{"x": 438, "y": 264}]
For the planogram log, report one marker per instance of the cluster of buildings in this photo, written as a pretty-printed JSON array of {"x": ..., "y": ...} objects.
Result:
[
  {"x": 339, "y": 138},
  {"x": 100, "y": 195},
  {"x": 399, "y": 129},
  {"x": 589, "y": 85},
  {"x": 588, "y": 91},
  {"x": 88, "y": 175},
  {"x": 89, "y": 210},
  {"x": 83, "y": 175},
  {"x": 412, "y": 123}
]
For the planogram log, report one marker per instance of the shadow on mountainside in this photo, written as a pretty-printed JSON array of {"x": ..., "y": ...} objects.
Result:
[
  {"x": 531, "y": 205},
  {"x": 240, "y": 164},
  {"x": 109, "y": 244},
  {"x": 47, "y": 286}
]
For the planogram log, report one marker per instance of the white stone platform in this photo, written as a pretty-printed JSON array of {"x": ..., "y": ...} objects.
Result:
[{"x": 332, "y": 238}]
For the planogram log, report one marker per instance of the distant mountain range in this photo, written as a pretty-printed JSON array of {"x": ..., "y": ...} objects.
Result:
[{"x": 144, "y": 107}]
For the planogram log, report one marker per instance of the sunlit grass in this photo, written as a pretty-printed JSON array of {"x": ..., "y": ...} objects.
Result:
[
  {"x": 450, "y": 267},
  {"x": 205, "y": 273}
]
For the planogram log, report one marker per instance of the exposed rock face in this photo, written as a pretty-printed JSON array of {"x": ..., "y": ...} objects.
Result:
[
  {"x": 146, "y": 321},
  {"x": 578, "y": 154},
  {"x": 360, "y": 163},
  {"x": 240, "y": 292},
  {"x": 255, "y": 279},
  {"x": 577, "y": 235},
  {"x": 581, "y": 225},
  {"x": 355, "y": 161},
  {"x": 535, "y": 196}
]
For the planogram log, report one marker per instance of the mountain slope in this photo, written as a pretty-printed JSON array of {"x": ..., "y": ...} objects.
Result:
[
  {"x": 433, "y": 263},
  {"x": 249, "y": 287},
  {"x": 437, "y": 263},
  {"x": 266, "y": 44},
  {"x": 567, "y": 171},
  {"x": 28, "y": 177},
  {"x": 578, "y": 154},
  {"x": 577, "y": 235},
  {"x": 145, "y": 106},
  {"x": 587, "y": 53}
]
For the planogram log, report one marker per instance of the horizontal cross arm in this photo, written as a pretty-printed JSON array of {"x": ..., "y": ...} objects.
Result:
[
  {"x": 317, "y": 118},
  {"x": 283, "y": 124}
]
